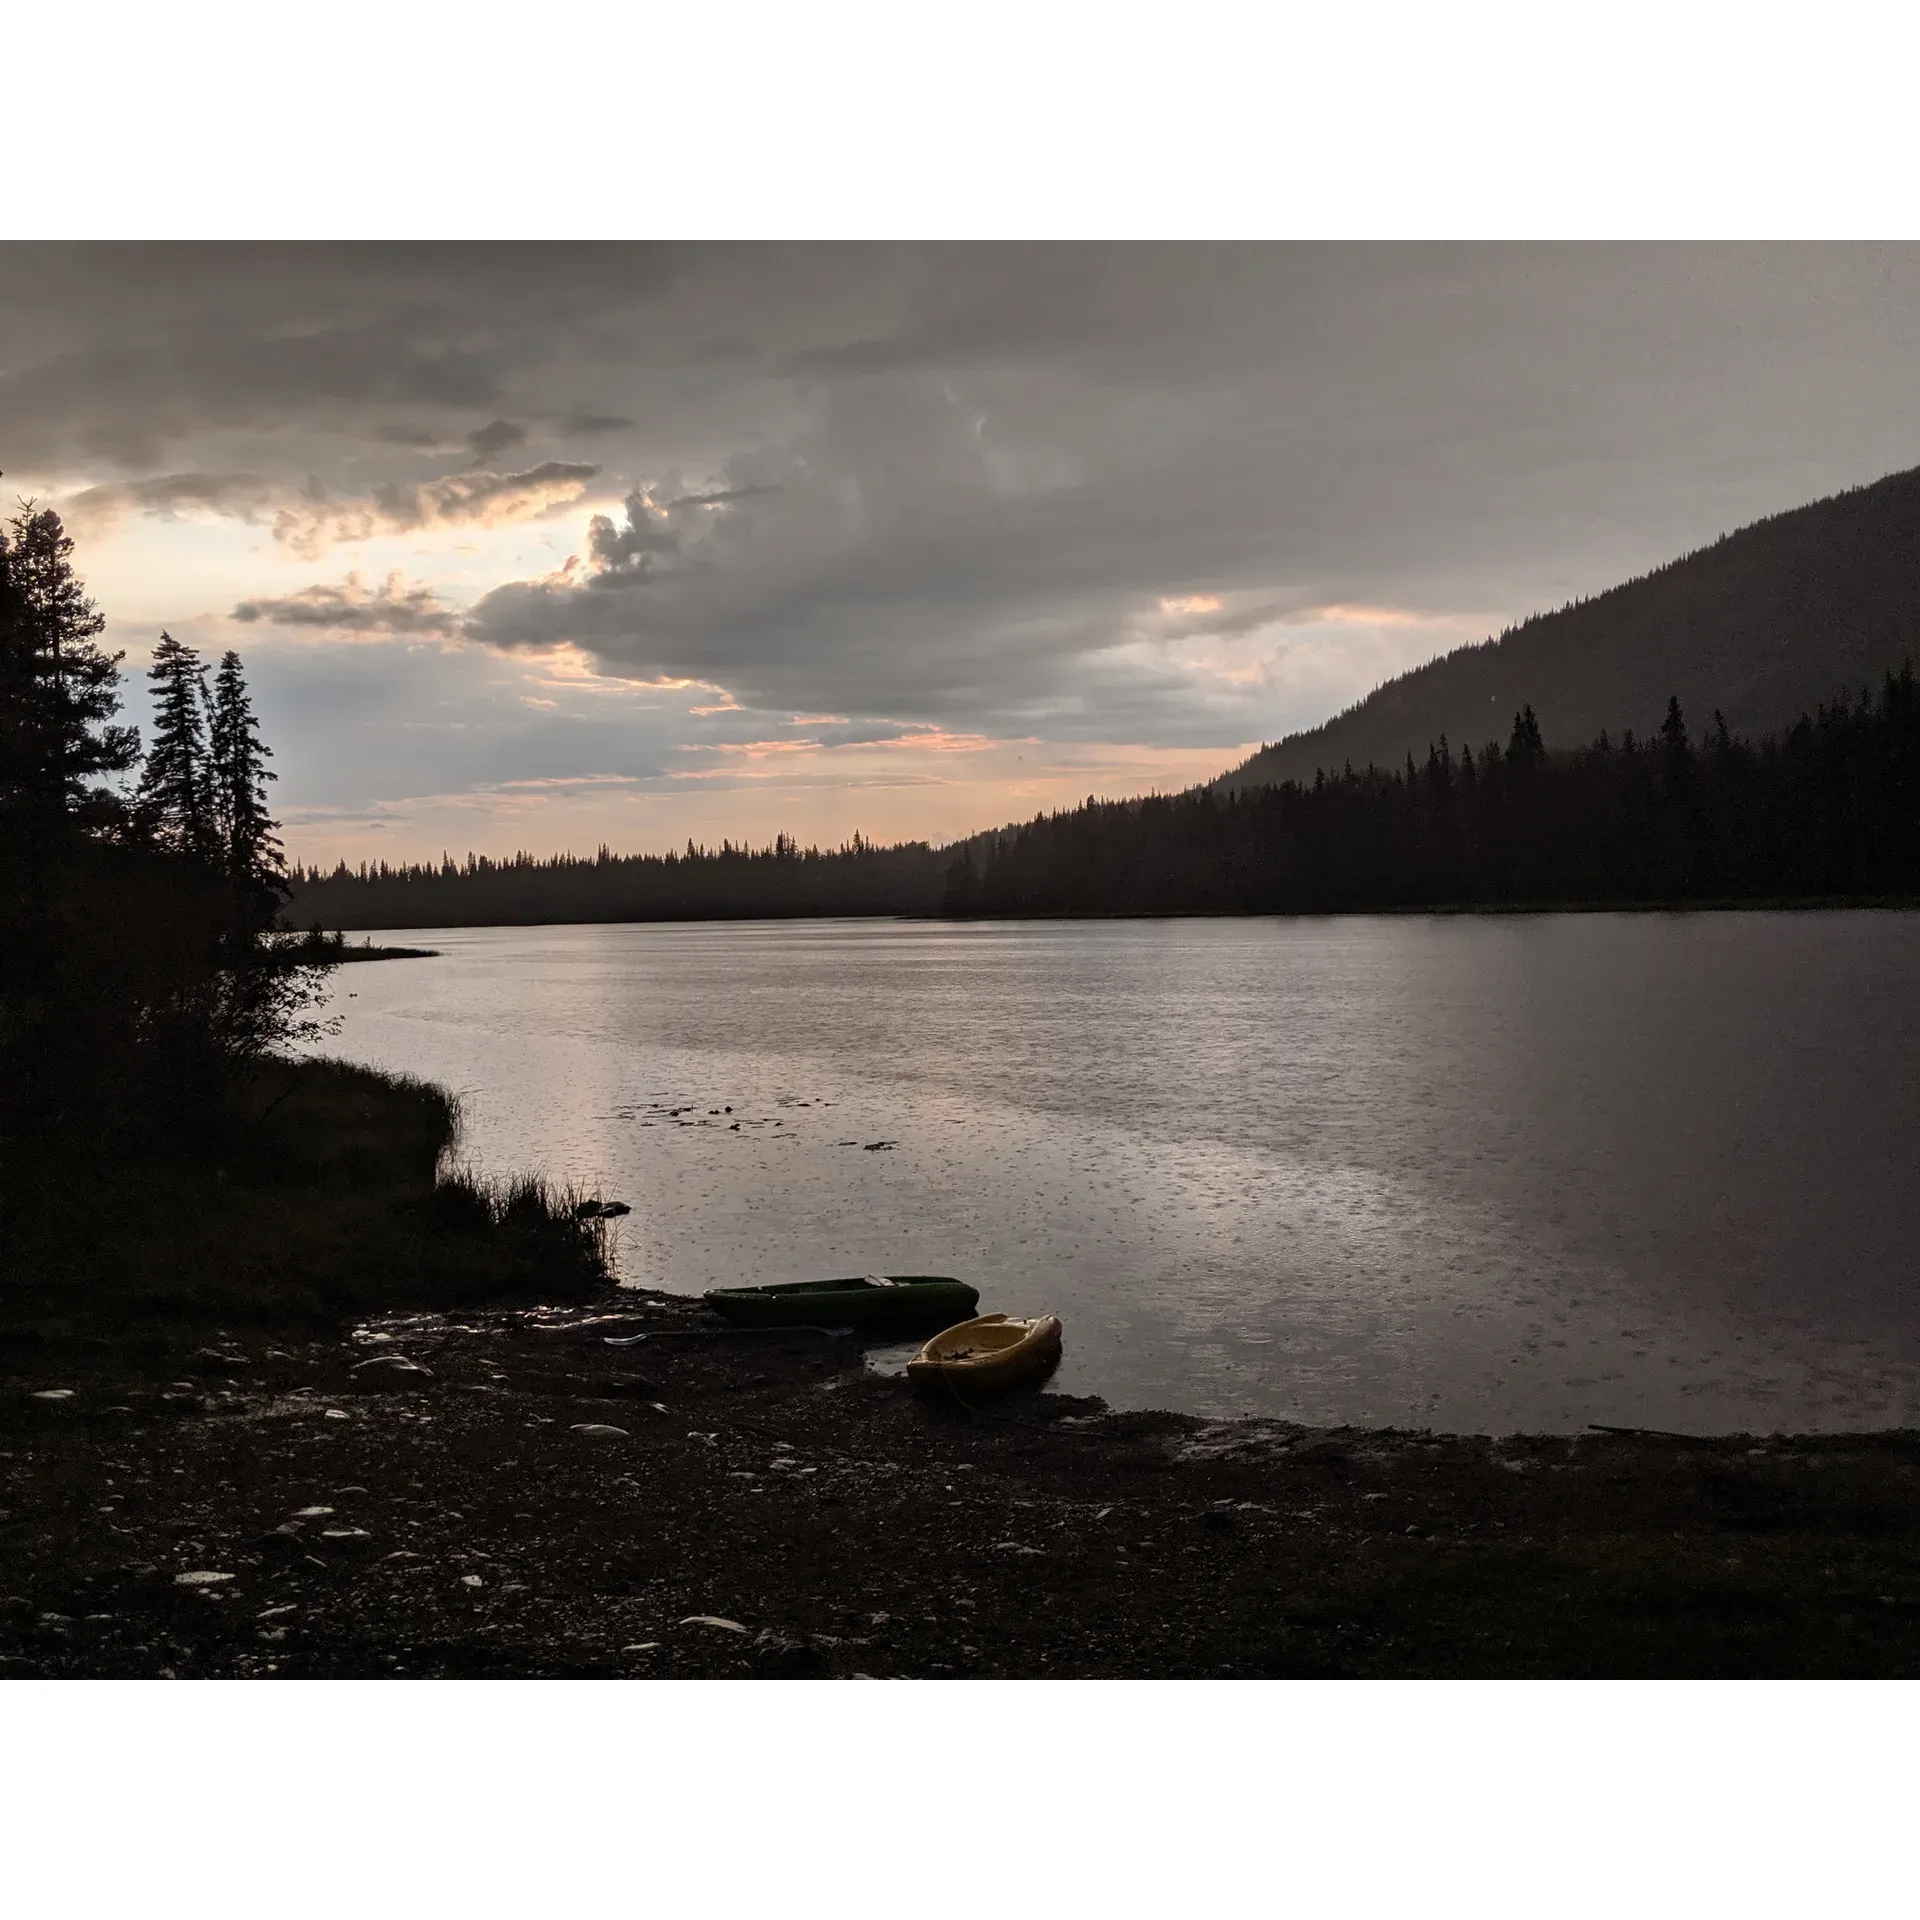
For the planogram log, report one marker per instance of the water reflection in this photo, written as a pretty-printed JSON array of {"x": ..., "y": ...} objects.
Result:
[{"x": 1471, "y": 1173}]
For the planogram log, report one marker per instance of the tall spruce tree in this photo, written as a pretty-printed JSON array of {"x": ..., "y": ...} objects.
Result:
[
  {"x": 249, "y": 840},
  {"x": 176, "y": 799},
  {"x": 59, "y": 690},
  {"x": 1674, "y": 743}
]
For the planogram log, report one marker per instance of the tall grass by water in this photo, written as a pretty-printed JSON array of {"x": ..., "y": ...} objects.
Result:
[{"x": 333, "y": 1196}]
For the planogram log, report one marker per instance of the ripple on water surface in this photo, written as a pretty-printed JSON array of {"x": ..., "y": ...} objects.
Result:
[{"x": 1472, "y": 1173}]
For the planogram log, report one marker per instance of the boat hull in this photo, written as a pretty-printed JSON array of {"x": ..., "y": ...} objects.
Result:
[
  {"x": 913, "y": 1300},
  {"x": 987, "y": 1355}
]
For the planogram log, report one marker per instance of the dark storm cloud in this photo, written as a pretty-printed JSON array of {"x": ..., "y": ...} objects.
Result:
[
  {"x": 917, "y": 550},
  {"x": 120, "y": 352},
  {"x": 991, "y": 486},
  {"x": 1013, "y": 456},
  {"x": 131, "y": 401}
]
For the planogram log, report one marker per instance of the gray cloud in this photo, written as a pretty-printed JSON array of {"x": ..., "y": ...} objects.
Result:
[
  {"x": 165, "y": 496},
  {"x": 130, "y": 402},
  {"x": 415, "y": 434},
  {"x": 919, "y": 551},
  {"x": 1009, "y": 458},
  {"x": 123, "y": 351},
  {"x": 954, "y": 485},
  {"x": 392, "y": 610},
  {"x": 494, "y": 439},
  {"x": 714, "y": 497},
  {"x": 316, "y": 520},
  {"x": 385, "y": 718},
  {"x": 307, "y": 518},
  {"x": 586, "y": 425}
]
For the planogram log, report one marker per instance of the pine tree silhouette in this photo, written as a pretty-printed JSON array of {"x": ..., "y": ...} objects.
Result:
[
  {"x": 175, "y": 805},
  {"x": 58, "y": 690},
  {"x": 247, "y": 833},
  {"x": 1675, "y": 745}
]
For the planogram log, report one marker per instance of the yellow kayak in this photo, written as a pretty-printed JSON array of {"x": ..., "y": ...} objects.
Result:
[{"x": 992, "y": 1351}]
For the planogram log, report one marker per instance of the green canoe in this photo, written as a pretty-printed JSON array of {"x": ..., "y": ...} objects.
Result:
[{"x": 897, "y": 1299}]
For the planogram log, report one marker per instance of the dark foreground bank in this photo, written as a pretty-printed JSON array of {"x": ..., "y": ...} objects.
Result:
[{"x": 506, "y": 1493}]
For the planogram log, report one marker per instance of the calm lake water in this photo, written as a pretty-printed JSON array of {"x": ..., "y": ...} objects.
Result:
[{"x": 1477, "y": 1174}]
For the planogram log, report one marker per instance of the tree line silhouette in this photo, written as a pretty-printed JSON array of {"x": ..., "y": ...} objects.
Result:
[
  {"x": 1828, "y": 810},
  {"x": 781, "y": 881},
  {"x": 139, "y": 966}
]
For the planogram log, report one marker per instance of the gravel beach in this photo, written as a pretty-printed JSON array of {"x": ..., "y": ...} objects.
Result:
[{"x": 622, "y": 1490}]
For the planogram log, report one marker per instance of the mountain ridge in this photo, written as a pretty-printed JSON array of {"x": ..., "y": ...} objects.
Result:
[{"x": 1762, "y": 625}]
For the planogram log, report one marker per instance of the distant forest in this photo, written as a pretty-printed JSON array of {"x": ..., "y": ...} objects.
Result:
[
  {"x": 782, "y": 881},
  {"x": 1828, "y": 810}
]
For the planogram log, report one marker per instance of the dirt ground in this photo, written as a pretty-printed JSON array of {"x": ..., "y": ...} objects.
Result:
[{"x": 511, "y": 1493}]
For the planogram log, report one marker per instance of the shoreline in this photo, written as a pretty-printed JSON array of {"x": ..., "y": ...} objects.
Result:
[
  {"x": 1877, "y": 903},
  {"x": 348, "y": 955},
  {"x": 505, "y": 1493}
]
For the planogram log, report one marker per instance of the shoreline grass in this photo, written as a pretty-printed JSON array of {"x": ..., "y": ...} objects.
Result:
[{"x": 328, "y": 1196}]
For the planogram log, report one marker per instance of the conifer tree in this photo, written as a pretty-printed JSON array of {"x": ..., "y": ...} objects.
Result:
[
  {"x": 59, "y": 690},
  {"x": 1673, "y": 737},
  {"x": 176, "y": 800},
  {"x": 238, "y": 758},
  {"x": 1526, "y": 749}
]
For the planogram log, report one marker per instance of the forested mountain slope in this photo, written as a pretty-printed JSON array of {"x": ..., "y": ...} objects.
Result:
[{"x": 1764, "y": 625}]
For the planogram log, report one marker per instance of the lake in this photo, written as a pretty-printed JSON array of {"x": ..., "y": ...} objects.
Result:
[{"x": 1472, "y": 1173}]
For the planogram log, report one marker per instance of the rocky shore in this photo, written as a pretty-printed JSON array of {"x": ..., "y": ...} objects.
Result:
[{"x": 622, "y": 1489}]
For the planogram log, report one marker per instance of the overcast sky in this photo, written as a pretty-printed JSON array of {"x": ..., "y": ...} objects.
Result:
[{"x": 551, "y": 545}]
